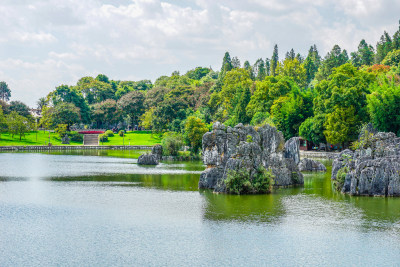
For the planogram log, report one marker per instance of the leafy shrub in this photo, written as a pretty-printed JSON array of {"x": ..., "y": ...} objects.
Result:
[
  {"x": 240, "y": 181},
  {"x": 171, "y": 143},
  {"x": 109, "y": 133},
  {"x": 340, "y": 177},
  {"x": 75, "y": 136},
  {"x": 121, "y": 133},
  {"x": 249, "y": 139},
  {"x": 103, "y": 138},
  {"x": 61, "y": 129}
]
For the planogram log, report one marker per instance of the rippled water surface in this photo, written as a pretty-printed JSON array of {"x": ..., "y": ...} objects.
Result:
[{"x": 100, "y": 209}]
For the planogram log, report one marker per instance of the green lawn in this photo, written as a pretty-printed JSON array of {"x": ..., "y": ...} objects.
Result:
[
  {"x": 134, "y": 139},
  {"x": 42, "y": 138},
  {"x": 30, "y": 139}
]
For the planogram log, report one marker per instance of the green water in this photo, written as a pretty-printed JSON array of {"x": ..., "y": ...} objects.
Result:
[{"x": 99, "y": 208}]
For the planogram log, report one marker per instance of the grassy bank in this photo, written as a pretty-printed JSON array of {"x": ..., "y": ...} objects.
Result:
[
  {"x": 39, "y": 138},
  {"x": 133, "y": 139}
]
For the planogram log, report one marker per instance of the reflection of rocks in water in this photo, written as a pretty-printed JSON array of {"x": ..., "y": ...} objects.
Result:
[
  {"x": 248, "y": 147},
  {"x": 243, "y": 208},
  {"x": 372, "y": 170}
]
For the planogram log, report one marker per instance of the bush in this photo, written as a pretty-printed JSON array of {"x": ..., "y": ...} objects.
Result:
[
  {"x": 340, "y": 177},
  {"x": 103, "y": 138},
  {"x": 61, "y": 129},
  {"x": 241, "y": 182},
  {"x": 75, "y": 136},
  {"x": 121, "y": 133},
  {"x": 171, "y": 143},
  {"x": 249, "y": 139},
  {"x": 109, "y": 133}
]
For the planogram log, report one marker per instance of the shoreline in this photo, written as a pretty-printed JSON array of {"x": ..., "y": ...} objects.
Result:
[{"x": 66, "y": 147}]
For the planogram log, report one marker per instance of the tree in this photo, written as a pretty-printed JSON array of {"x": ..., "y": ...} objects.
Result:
[
  {"x": 335, "y": 58},
  {"x": 132, "y": 104},
  {"x": 226, "y": 63},
  {"x": 293, "y": 69},
  {"x": 235, "y": 63},
  {"x": 3, "y": 122},
  {"x": 20, "y": 108},
  {"x": 341, "y": 125},
  {"x": 17, "y": 124},
  {"x": 274, "y": 60},
  {"x": 384, "y": 106},
  {"x": 195, "y": 128},
  {"x": 312, "y": 129},
  {"x": 146, "y": 120},
  {"x": 290, "y": 54},
  {"x": 67, "y": 94},
  {"x": 197, "y": 73},
  {"x": 5, "y": 92},
  {"x": 383, "y": 47},
  {"x": 259, "y": 69},
  {"x": 106, "y": 113},
  {"x": 41, "y": 103},
  {"x": 65, "y": 113},
  {"x": 102, "y": 78},
  {"x": 392, "y": 58}
]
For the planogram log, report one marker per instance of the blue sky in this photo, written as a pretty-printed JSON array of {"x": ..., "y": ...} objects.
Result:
[{"x": 45, "y": 43}]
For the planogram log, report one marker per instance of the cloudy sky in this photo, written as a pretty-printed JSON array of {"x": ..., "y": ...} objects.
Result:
[{"x": 45, "y": 43}]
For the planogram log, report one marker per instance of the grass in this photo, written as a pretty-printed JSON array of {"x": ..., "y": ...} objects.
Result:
[
  {"x": 134, "y": 139},
  {"x": 42, "y": 138},
  {"x": 30, "y": 139}
]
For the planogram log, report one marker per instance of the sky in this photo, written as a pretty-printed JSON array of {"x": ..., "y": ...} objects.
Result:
[{"x": 46, "y": 43}]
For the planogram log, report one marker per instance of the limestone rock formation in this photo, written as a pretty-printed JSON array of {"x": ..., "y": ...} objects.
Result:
[
  {"x": 373, "y": 169},
  {"x": 227, "y": 148},
  {"x": 311, "y": 165},
  {"x": 65, "y": 140},
  {"x": 147, "y": 159},
  {"x": 157, "y": 150},
  {"x": 292, "y": 149}
]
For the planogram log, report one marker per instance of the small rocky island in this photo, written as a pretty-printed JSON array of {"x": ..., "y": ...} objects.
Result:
[
  {"x": 252, "y": 151},
  {"x": 153, "y": 158},
  {"x": 310, "y": 165},
  {"x": 373, "y": 169}
]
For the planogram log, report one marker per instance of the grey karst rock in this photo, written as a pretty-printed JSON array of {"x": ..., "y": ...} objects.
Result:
[
  {"x": 65, "y": 140},
  {"x": 227, "y": 148},
  {"x": 311, "y": 165},
  {"x": 147, "y": 159},
  {"x": 292, "y": 149},
  {"x": 157, "y": 150},
  {"x": 373, "y": 169}
]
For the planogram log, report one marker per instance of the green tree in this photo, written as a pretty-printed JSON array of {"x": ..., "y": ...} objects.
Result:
[
  {"x": 17, "y": 124},
  {"x": 5, "y": 92},
  {"x": 20, "y": 108},
  {"x": 194, "y": 130},
  {"x": 226, "y": 63},
  {"x": 132, "y": 104},
  {"x": 41, "y": 103},
  {"x": 383, "y": 47},
  {"x": 3, "y": 122},
  {"x": 341, "y": 125},
  {"x": 392, "y": 58},
  {"x": 312, "y": 129},
  {"x": 312, "y": 63},
  {"x": 335, "y": 58},
  {"x": 274, "y": 60},
  {"x": 259, "y": 69},
  {"x": 106, "y": 113},
  {"x": 65, "y": 113},
  {"x": 384, "y": 106},
  {"x": 293, "y": 69}
]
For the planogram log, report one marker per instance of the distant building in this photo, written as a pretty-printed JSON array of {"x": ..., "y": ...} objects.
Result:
[{"x": 36, "y": 113}]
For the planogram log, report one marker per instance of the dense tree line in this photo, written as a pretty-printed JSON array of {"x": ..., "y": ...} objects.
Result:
[{"x": 323, "y": 99}]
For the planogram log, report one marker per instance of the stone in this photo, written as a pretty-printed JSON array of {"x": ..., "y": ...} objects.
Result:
[
  {"x": 372, "y": 170},
  {"x": 226, "y": 148},
  {"x": 311, "y": 165},
  {"x": 65, "y": 140},
  {"x": 147, "y": 159},
  {"x": 157, "y": 150},
  {"x": 292, "y": 149}
]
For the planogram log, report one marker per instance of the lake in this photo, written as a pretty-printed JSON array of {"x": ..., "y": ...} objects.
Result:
[{"x": 99, "y": 208}]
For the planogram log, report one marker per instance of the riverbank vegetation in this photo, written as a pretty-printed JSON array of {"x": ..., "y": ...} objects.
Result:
[{"x": 322, "y": 99}]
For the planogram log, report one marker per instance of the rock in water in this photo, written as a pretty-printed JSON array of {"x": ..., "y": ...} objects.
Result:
[
  {"x": 147, "y": 159},
  {"x": 227, "y": 148},
  {"x": 311, "y": 165},
  {"x": 157, "y": 150},
  {"x": 292, "y": 149},
  {"x": 372, "y": 170}
]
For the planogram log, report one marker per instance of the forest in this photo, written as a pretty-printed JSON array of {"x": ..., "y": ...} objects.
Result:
[{"x": 320, "y": 98}]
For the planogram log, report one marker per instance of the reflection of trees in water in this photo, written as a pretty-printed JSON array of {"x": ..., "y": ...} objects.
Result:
[
  {"x": 173, "y": 182},
  {"x": 257, "y": 208}
]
